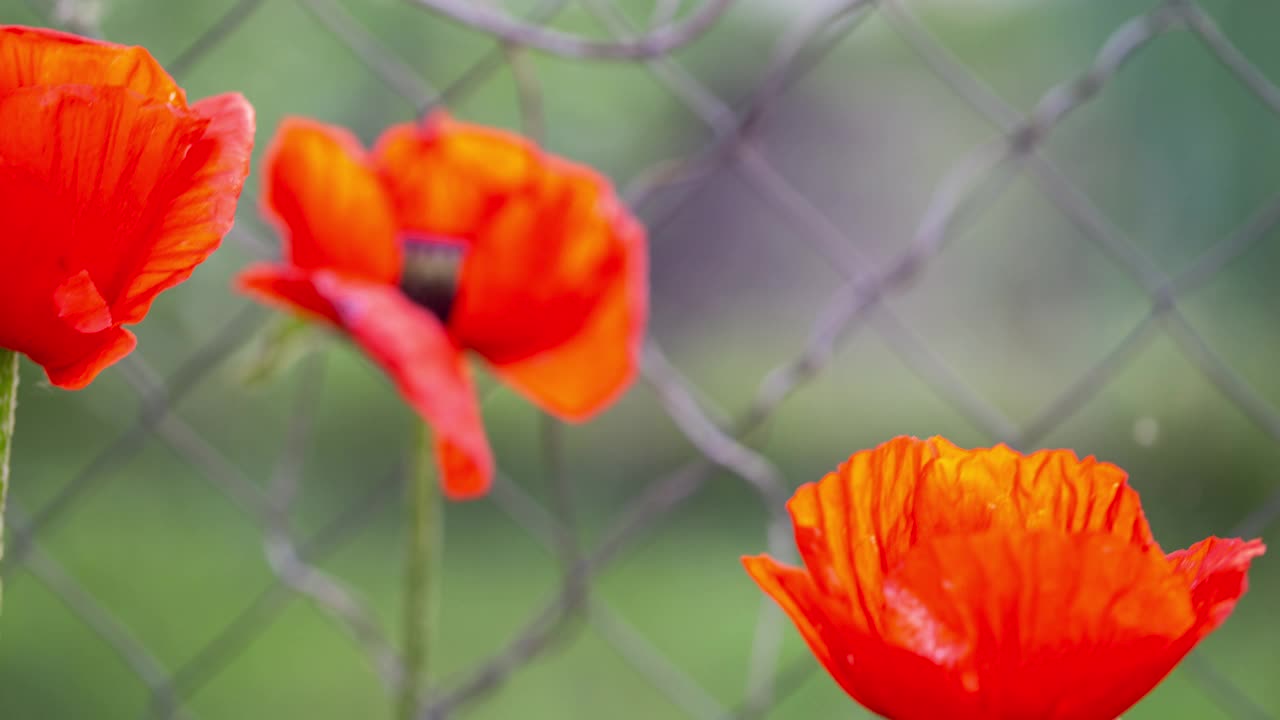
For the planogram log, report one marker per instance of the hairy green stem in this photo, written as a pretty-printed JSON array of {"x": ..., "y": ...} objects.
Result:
[
  {"x": 8, "y": 406},
  {"x": 423, "y": 541}
]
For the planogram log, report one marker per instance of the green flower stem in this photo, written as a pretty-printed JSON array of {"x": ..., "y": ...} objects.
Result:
[
  {"x": 8, "y": 406},
  {"x": 423, "y": 542}
]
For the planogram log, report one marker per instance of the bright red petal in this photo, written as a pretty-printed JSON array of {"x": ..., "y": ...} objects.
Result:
[
  {"x": 1215, "y": 569},
  {"x": 207, "y": 187},
  {"x": 96, "y": 352},
  {"x": 411, "y": 346},
  {"x": 80, "y": 304},
  {"x": 328, "y": 202},
  {"x": 881, "y": 677},
  {"x": 85, "y": 182},
  {"x": 1044, "y": 625},
  {"x": 31, "y": 57}
]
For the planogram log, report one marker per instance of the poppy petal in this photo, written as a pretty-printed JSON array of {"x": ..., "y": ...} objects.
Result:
[
  {"x": 81, "y": 305},
  {"x": 1049, "y": 489},
  {"x": 584, "y": 373},
  {"x": 1215, "y": 570},
  {"x": 794, "y": 591},
  {"x": 856, "y": 523},
  {"x": 208, "y": 186},
  {"x": 287, "y": 288},
  {"x": 411, "y": 346},
  {"x": 94, "y": 352},
  {"x": 325, "y": 197},
  {"x": 1040, "y": 624},
  {"x": 553, "y": 286},
  {"x": 862, "y": 664},
  {"x": 446, "y": 178},
  {"x": 84, "y": 180},
  {"x": 541, "y": 266},
  {"x": 32, "y": 57}
]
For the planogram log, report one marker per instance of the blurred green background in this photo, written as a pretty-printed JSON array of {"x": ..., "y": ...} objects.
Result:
[{"x": 1175, "y": 151}]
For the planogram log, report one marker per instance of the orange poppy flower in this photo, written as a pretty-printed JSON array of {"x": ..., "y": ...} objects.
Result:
[
  {"x": 452, "y": 237},
  {"x": 942, "y": 582},
  {"x": 112, "y": 190}
]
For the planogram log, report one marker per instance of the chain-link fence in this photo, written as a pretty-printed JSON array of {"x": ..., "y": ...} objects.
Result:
[{"x": 876, "y": 278}]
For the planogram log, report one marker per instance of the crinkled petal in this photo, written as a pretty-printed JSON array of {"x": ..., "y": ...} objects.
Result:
[
  {"x": 31, "y": 57},
  {"x": 1049, "y": 489},
  {"x": 883, "y": 678},
  {"x": 1042, "y": 624},
  {"x": 794, "y": 591},
  {"x": 1216, "y": 570},
  {"x": 855, "y": 524},
  {"x": 208, "y": 186},
  {"x": 86, "y": 176},
  {"x": 328, "y": 202}
]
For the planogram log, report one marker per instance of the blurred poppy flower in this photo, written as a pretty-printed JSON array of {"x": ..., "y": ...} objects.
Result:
[
  {"x": 112, "y": 190},
  {"x": 452, "y": 237},
  {"x": 942, "y": 582}
]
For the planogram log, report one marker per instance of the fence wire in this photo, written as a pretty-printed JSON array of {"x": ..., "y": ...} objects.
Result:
[{"x": 862, "y": 303}]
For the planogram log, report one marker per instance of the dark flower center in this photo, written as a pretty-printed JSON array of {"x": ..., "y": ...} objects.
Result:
[{"x": 432, "y": 267}]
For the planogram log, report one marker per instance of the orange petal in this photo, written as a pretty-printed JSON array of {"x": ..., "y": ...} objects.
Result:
[
  {"x": 584, "y": 373},
  {"x": 794, "y": 591},
  {"x": 84, "y": 185},
  {"x": 553, "y": 287},
  {"x": 542, "y": 265},
  {"x": 206, "y": 191},
  {"x": 31, "y": 57},
  {"x": 411, "y": 346},
  {"x": 973, "y": 490},
  {"x": 855, "y": 524},
  {"x": 1215, "y": 570},
  {"x": 1041, "y": 624},
  {"x": 447, "y": 178},
  {"x": 327, "y": 200}
]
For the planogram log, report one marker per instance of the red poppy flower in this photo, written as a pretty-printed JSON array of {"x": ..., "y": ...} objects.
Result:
[
  {"x": 112, "y": 190},
  {"x": 452, "y": 237},
  {"x": 942, "y": 582}
]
